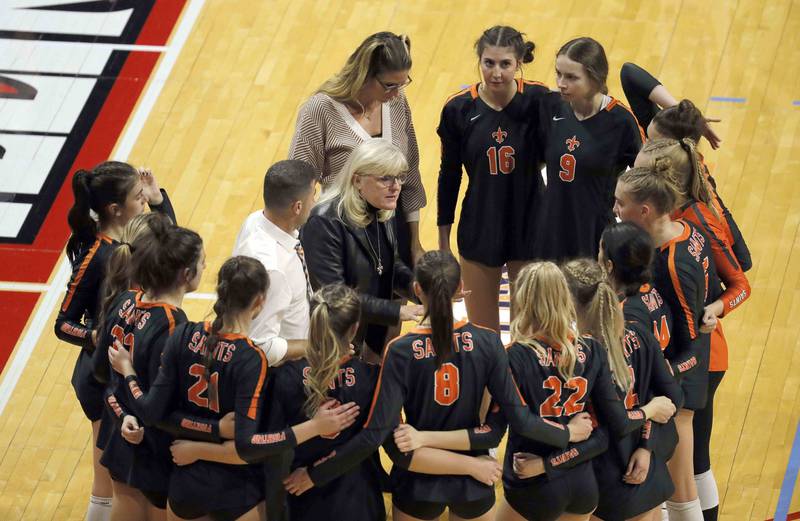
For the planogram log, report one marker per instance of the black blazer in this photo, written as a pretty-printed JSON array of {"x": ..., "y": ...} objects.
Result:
[{"x": 337, "y": 251}]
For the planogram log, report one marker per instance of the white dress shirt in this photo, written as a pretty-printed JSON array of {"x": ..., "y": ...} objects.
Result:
[{"x": 286, "y": 314}]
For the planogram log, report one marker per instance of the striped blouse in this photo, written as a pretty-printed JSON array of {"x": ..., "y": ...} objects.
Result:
[{"x": 326, "y": 133}]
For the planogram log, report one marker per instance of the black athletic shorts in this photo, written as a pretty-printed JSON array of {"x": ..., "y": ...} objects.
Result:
[
  {"x": 430, "y": 510},
  {"x": 89, "y": 391},
  {"x": 618, "y": 500},
  {"x": 576, "y": 493},
  {"x": 191, "y": 511}
]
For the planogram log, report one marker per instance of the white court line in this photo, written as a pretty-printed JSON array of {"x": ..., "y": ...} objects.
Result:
[
  {"x": 40, "y": 321},
  {"x": 26, "y": 287}
]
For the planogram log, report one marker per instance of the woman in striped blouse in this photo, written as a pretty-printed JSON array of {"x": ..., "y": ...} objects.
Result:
[{"x": 365, "y": 100}]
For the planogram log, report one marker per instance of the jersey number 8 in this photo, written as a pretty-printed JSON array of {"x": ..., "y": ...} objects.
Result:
[{"x": 445, "y": 386}]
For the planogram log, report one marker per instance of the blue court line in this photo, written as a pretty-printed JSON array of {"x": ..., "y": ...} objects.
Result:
[
  {"x": 789, "y": 479},
  {"x": 796, "y": 103},
  {"x": 728, "y": 99}
]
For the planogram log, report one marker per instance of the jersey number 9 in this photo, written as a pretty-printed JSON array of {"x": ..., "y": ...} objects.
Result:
[{"x": 567, "y": 172}]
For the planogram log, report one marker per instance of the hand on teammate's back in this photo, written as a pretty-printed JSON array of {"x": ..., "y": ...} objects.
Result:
[
  {"x": 638, "y": 467},
  {"x": 407, "y": 438},
  {"x": 580, "y": 427},
  {"x": 131, "y": 431},
  {"x": 411, "y": 312},
  {"x": 660, "y": 409},
  {"x": 298, "y": 482},
  {"x": 332, "y": 418},
  {"x": 487, "y": 470},
  {"x": 527, "y": 465}
]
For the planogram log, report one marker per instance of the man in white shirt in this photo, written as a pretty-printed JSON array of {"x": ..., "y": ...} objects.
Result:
[{"x": 270, "y": 235}]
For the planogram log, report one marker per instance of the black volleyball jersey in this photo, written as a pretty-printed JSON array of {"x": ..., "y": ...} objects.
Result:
[
  {"x": 354, "y": 382},
  {"x": 441, "y": 399},
  {"x": 558, "y": 400},
  {"x": 684, "y": 275},
  {"x": 237, "y": 375},
  {"x": 499, "y": 151},
  {"x": 648, "y": 308},
  {"x": 584, "y": 159},
  {"x": 79, "y": 310}
]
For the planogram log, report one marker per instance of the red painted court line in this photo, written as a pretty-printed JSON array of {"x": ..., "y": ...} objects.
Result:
[{"x": 15, "y": 308}]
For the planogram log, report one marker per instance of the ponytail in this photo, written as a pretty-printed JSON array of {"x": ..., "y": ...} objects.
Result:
[
  {"x": 240, "y": 281},
  {"x": 439, "y": 275},
  {"x": 334, "y": 311},
  {"x": 597, "y": 304},
  {"x": 84, "y": 228},
  {"x": 697, "y": 185}
]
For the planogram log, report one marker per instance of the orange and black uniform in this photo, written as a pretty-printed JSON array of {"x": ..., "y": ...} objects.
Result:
[
  {"x": 498, "y": 150},
  {"x": 651, "y": 376},
  {"x": 646, "y": 307},
  {"x": 443, "y": 399},
  {"x": 354, "y": 382},
  {"x": 238, "y": 373},
  {"x": 569, "y": 483},
  {"x": 736, "y": 285},
  {"x": 78, "y": 315},
  {"x": 143, "y": 328},
  {"x": 584, "y": 159},
  {"x": 684, "y": 275}
]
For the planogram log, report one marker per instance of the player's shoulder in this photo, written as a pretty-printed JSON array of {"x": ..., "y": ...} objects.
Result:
[
  {"x": 319, "y": 101},
  {"x": 619, "y": 110},
  {"x": 534, "y": 88},
  {"x": 465, "y": 96}
]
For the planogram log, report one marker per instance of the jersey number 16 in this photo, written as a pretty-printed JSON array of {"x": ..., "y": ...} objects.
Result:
[{"x": 501, "y": 159}]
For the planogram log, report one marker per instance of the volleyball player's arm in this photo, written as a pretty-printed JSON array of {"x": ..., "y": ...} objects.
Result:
[
  {"x": 322, "y": 243},
  {"x": 381, "y": 421},
  {"x": 630, "y": 143},
  {"x": 557, "y": 463},
  {"x": 605, "y": 400},
  {"x": 485, "y": 436},
  {"x": 82, "y": 291},
  {"x": 638, "y": 84},
  {"x": 450, "y": 173},
  {"x": 254, "y": 446},
  {"x": 737, "y": 242},
  {"x": 165, "y": 207},
  {"x": 737, "y": 287},
  {"x": 520, "y": 418},
  {"x": 686, "y": 339}
]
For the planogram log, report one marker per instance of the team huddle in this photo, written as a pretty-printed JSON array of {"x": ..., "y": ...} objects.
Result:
[{"x": 623, "y": 260}]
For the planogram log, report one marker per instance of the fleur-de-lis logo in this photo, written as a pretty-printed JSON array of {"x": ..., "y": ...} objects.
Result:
[
  {"x": 499, "y": 135},
  {"x": 573, "y": 143}
]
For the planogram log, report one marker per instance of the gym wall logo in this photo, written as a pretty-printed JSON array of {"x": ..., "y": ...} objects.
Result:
[{"x": 71, "y": 73}]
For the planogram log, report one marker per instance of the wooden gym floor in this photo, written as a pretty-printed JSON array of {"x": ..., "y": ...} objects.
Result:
[{"x": 210, "y": 127}]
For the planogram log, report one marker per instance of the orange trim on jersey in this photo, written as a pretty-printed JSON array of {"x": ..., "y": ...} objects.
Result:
[
  {"x": 644, "y": 288},
  {"x": 233, "y": 336},
  {"x": 718, "y": 361},
  {"x": 380, "y": 378},
  {"x": 520, "y": 85},
  {"x": 81, "y": 272},
  {"x": 614, "y": 102},
  {"x": 533, "y": 82},
  {"x": 106, "y": 238},
  {"x": 676, "y": 283},
  {"x": 422, "y": 330},
  {"x": 141, "y": 304},
  {"x": 457, "y": 94},
  {"x": 473, "y": 90},
  {"x": 486, "y": 329},
  {"x": 168, "y": 313},
  {"x": 252, "y": 411}
]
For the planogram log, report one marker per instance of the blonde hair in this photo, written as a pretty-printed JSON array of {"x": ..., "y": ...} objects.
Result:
[
  {"x": 334, "y": 310},
  {"x": 380, "y": 52},
  {"x": 654, "y": 184},
  {"x": 543, "y": 308},
  {"x": 374, "y": 157},
  {"x": 598, "y": 305},
  {"x": 686, "y": 167}
]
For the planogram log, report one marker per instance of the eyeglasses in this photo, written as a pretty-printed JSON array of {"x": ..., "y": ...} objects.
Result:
[
  {"x": 388, "y": 87},
  {"x": 388, "y": 180}
]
